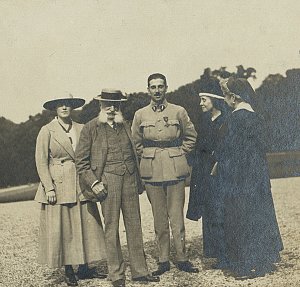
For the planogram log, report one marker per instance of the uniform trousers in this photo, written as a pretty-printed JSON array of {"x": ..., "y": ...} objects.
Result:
[
  {"x": 123, "y": 195},
  {"x": 167, "y": 201}
]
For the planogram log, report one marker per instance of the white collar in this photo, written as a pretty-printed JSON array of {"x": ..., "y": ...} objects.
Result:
[
  {"x": 243, "y": 106},
  {"x": 216, "y": 116}
]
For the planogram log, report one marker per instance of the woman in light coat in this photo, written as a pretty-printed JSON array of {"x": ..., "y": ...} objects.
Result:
[{"x": 71, "y": 230}]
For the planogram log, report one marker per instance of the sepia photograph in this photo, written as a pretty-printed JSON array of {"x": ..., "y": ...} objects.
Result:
[{"x": 150, "y": 143}]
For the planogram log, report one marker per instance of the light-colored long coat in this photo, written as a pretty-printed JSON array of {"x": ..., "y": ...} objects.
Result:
[{"x": 55, "y": 162}]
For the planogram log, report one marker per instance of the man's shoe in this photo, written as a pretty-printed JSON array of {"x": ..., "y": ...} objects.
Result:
[
  {"x": 71, "y": 280},
  {"x": 162, "y": 268},
  {"x": 89, "y": 273},
  {"x": 147, "y": 278},
  {"x": 187, "y": 266},
  {"x": 119, "y": 283},
  {"x": 70, "y": 276}
]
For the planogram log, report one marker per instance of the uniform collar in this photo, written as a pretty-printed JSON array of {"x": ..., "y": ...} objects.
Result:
[{"x": 161, "y": 107}]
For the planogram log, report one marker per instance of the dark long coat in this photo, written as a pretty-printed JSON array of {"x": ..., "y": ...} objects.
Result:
[
  {"x": 204, "y": 201},
  {"x": 252, "y": 236}
]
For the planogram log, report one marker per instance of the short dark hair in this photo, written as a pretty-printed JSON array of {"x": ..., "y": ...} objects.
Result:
[
  {"x": 219, "y": 104},
  {"x": 157, "y": 76}
]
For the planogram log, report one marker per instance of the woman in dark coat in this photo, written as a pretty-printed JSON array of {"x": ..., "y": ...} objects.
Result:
[
  {"x": 204, "y": 201},
  {"x": 252, "y": 237}
]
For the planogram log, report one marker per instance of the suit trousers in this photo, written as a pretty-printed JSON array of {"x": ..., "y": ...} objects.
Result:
[
  {"x": 167, "y": 201},
  {"x": 123, "y": 195}
]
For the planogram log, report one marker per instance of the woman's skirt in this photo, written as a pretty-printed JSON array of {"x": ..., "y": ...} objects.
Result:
[
  {"x": 70, "y": 234},
  {"x": 252, "y": 235}
]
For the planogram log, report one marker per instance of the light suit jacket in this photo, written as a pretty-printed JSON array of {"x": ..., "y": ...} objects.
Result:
[
  {"x": 55, "y": 162},
  {"x": 91, "y": 153}
]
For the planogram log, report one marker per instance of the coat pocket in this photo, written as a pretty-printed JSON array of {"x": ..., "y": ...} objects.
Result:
[
  {"x": 180, "y": 162},
  {"x": 146, "y": 163},
  {"x": 57, "y": 173},
  {"x": 173, "y": 129},
  {"x": 147, "y": 129},
  {"x": 174, "y": 123}
]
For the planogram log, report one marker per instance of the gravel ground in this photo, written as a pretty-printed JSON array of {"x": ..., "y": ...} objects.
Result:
[{"x": 18, "y": 239}]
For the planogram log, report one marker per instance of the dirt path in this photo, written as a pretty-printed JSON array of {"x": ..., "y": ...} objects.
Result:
[{"x": 18, "y": 239}]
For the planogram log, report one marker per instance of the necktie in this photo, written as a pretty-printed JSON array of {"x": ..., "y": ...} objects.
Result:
[{"x": 114, "y": 126}]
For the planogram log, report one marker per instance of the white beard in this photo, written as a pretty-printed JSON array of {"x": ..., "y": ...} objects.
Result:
[{"x": 103, "y": 117}]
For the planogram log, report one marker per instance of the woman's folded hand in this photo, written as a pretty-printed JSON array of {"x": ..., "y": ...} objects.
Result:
[{"x": 51, "y": 196}]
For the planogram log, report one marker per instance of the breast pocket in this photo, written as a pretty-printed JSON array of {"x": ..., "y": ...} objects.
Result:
[
  {"x": 148, "y": 129},
  {"x": 172, "y": 129}
]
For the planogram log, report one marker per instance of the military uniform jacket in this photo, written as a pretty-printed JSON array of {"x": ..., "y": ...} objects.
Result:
[
  {"x": 55, "y": 162},
  {"x": 173, "y": 125}
]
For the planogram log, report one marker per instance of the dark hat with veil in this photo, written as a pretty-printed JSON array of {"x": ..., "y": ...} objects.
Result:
[{"x": 241, "y": 88}]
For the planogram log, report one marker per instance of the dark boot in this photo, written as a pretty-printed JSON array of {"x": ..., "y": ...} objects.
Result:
[
  {"x": 119, "y": 283},
  {"x": 146, "y": 279},
  {"x": 162, "y": 268},
  {"x": 70, "y": 276},
  {"x": 84, "y": 272},
  {"x": 187, "y": 266}
]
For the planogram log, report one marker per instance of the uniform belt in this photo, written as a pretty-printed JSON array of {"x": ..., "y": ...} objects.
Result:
[{"x": 162, "y": 144}]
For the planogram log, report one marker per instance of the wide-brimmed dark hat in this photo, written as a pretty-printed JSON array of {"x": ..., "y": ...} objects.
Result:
[
  {"x": 69, "y": 101},
  {"x": 110, "y": 95}
]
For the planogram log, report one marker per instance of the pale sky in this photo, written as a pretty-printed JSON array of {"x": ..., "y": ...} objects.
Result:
[{"x": 55, "y": 47}]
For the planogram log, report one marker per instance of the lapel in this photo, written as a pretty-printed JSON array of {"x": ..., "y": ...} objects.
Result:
[
  {"x": 61, "y": 138},
  {"x": 101, "y": 135},
  {"x": 128, "y": 131},
  {"x": 78, "y": 128},
  {"x": 101, "y": 141}
]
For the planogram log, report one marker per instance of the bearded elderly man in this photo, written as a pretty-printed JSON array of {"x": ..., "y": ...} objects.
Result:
[
  {"x": 164, "y": 134},
  {"x": 107, "y": 165}
]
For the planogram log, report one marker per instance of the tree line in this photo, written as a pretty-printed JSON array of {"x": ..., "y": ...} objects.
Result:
[{"x": 278, "y": 100}]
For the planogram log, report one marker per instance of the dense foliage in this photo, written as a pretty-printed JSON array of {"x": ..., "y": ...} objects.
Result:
[{"x": 278, "y": 100}]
